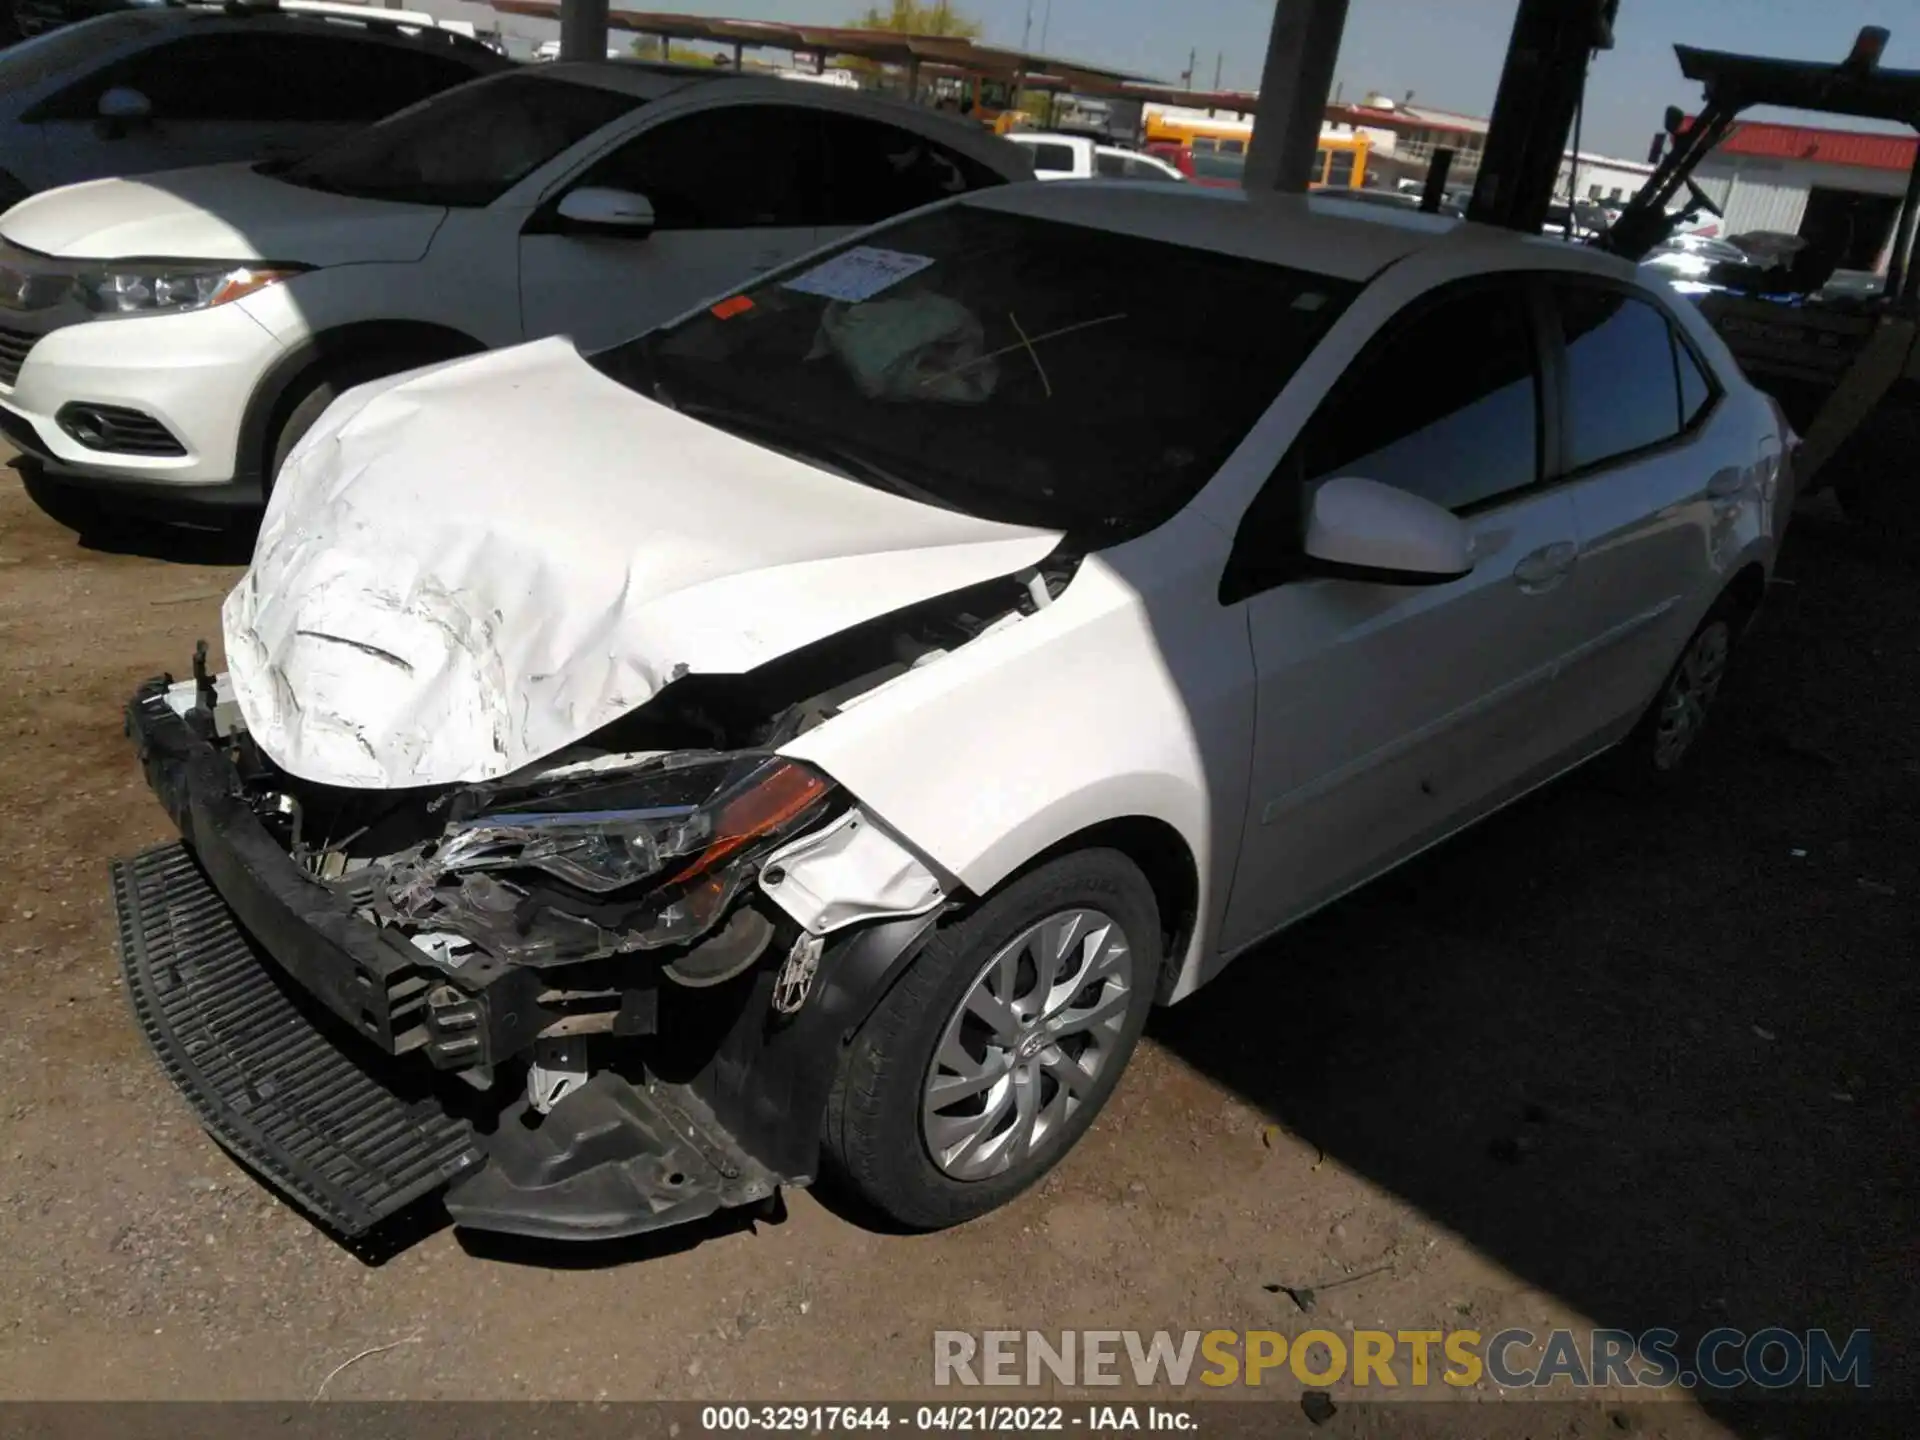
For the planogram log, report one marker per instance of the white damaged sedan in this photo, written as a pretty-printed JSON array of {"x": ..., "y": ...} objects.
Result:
[{"x": 815, "y": 733}]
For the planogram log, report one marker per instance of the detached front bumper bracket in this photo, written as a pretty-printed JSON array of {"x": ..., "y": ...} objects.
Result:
[{"x": 309, "y": 1114}]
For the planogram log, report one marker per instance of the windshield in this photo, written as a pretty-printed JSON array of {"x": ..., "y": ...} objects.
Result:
[
  {"x": 1010, "y": 367},
  {"x": 464, "y": 147}
]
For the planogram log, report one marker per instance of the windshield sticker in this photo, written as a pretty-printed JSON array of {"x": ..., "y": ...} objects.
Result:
[
  {"x": 733, "y": 305},
  {"x": 859, "y": 274}
]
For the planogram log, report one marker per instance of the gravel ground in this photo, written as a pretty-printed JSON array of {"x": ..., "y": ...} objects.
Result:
[{"x": 1604, "y": 1061}]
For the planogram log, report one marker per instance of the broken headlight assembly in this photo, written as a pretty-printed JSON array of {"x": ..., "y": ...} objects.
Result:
[{"x": 554, "y": 871}]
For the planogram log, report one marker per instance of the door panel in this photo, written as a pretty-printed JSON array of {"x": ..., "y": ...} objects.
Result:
[
  {"x": 1644, "y": 509},
  {"x": 1387, "y": 715},
  {"x": 1645, "y": 549}
]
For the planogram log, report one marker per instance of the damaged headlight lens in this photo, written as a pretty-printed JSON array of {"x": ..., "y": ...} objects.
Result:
[
  {"x": 649, "y": 859},
  {"x": 599, "y": 844},
  {"x": 162, "y": 287}
]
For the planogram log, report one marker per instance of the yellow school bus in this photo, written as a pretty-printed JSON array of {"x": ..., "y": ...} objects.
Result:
[
  {"x": 992, "y": 101},
  {"x": 1340, "y": 164},
  {"x": 1205, "y": 134}
]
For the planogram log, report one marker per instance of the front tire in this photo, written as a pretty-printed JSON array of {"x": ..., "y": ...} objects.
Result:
[{"x": 992, "y": 1055}]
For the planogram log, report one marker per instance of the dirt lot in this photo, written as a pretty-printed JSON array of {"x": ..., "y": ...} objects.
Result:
[{"x": 1605, "y": 1061}]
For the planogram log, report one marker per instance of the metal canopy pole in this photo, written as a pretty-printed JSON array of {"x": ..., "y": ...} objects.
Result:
[
  {"x": 583, "y": 29},
  {"x": 1293, "y": 93},
  {"x": 1540, "y": 88}
]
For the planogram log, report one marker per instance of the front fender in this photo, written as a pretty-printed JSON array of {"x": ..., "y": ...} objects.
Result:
[{"x": 1131, "y": 695}]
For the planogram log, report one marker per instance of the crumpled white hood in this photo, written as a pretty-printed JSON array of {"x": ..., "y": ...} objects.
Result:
[{"x": 465, "y": 569}]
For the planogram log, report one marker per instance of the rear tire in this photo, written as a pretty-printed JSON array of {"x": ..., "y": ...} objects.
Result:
[
  {"x": 1670, "y": 729},
  {"x": 973, "y": 1077}
]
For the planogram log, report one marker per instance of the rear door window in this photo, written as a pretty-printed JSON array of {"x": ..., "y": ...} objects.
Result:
[
  {"x": 1623, "y": 393},
  {"x": 1696, "y": 391},
  {"x": 875, "y": 171},
  {"x": 465, "y": 147},
  {"x": 1054, "y": 159},
  {"x": 733, "y": 167}
]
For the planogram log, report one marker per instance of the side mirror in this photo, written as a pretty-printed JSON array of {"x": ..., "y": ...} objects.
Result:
[
  {"x": 593, "y": 207},
  {"x": 1363, "y": 530},
  {"x": 124, "y": 104}
]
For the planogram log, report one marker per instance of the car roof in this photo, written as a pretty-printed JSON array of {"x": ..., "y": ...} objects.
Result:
[
  {"x": 629, "y": 77},
  {"x": 1320, "y": 232},
  {"x": 656, "y": 82},
  {"x": 379, "y": 24}
]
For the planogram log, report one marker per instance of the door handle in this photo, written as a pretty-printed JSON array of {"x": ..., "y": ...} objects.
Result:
[{"x": 1542, "y": 569}]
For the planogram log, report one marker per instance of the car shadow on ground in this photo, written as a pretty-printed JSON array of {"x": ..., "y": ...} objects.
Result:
[
  {"x": 179, "y": 544},
  {"x": 1653, "y": 1053},
  {"x": 611, "y": 1254},
  {"x": 183, "y": 537}
]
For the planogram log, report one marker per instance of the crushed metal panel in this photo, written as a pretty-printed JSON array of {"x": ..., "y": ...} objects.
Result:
[
  {"x": 466, "y": 569},
  {"x": 845, "y": 872}
]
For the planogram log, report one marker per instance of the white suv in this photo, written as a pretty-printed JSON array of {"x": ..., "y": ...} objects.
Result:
[
  {"x": 591, "y": 200},
  {"x": 153, "y": 89}
]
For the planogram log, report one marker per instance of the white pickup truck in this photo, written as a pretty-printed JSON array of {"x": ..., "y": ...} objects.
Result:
[{"x": 1076, "y": 157}]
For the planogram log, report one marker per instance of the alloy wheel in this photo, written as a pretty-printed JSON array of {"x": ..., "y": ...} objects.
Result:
[
  {"x": 1024, "y": 1047},
  {"x": 1696, "y": 680}
]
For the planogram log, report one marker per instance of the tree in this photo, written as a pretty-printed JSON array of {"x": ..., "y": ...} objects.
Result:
[{"x": 920, "y": 17}]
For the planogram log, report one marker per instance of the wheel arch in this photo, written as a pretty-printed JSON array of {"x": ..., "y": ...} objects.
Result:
[
  {"x": 1171, "y": 870},
  {"x": 280, "y": 389}
]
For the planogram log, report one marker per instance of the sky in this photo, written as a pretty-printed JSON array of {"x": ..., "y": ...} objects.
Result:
[{"x": 1448, "y": 52}]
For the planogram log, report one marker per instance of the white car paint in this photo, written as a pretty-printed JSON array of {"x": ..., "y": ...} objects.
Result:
[
  {"x": 493, "y": 274},
  {"x": 1296, "y": 741},
  {"x": 1088, "y": 159},
  {"x": 219, "y": 212}
]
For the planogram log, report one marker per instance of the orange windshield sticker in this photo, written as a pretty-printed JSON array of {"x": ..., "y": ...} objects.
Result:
[{"x": 732, "y": 306}]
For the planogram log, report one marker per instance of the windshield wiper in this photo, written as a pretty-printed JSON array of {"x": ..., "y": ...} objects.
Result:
[{"x": 803, "y": 444}]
